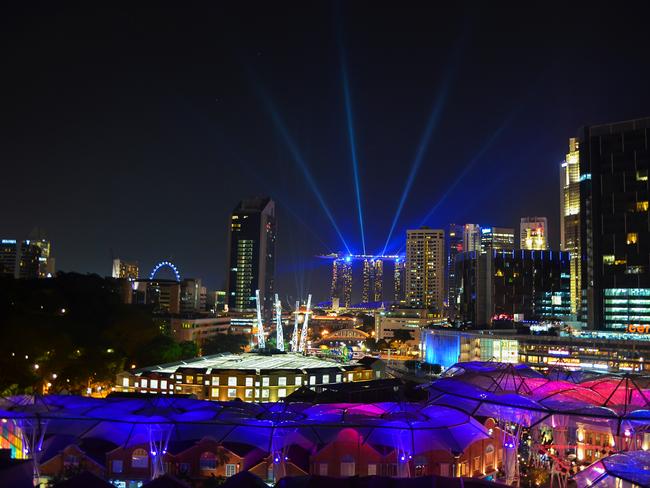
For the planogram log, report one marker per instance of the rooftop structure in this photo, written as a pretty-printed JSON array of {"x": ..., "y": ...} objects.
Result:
[{"x": 249, "y": 377}]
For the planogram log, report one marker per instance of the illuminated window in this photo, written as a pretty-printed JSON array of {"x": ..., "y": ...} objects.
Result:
[
  {"x": 232, "y": 381},
  {"x": 282, "y": 381},
  {"x": 139, "y": 459},
  {"x": 265, "y": 381},
  {"x": 249, "y": 393},
  {"x": 632, "y": 237},
  {"x": 642, "y": 206},
  {"x": 298, "y": 381},
  {"x": 208, "y": 461},
  {"x": 232, "y": 392},
  {"x": 642, "y": 175},
  {"x": 231, "y": 470},
  {"x": 608, "y": 259},
  {"x": 249, "y": 381},
  {"x": 282, "y": 393}
]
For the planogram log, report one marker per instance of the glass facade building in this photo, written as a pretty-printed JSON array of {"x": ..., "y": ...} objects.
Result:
[
  {"x": 522, "y": 285},
  {"x": 251, "y": 255},
  {"x": 615, "y": 226}
]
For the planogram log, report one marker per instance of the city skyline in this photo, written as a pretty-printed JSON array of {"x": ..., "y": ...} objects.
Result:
[{"x": 186, "y": 135}]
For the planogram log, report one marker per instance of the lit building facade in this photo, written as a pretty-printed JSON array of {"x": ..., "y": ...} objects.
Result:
[
  {"x": 46, "y": 266},
  {"x": 454, "y": 247},
  {"x": 601, "y": 352},
  {"x": 570, "y": 221},
  {"x": 373, "y": 278},
  {"x": 193, "y": 297},
  {"x": 615, "y": 234},
  {"x": 249, "y": 377},
  {"x": 398, "y": 279},
  {"x": 125, "y": 269},
  {"x": 471, "y": 237},
  {"x": 29, "y": 264},
  {"x": 533, "y": 233},
  {"x": 497, "y": 238},
  {"x": 425, "y": 268},
  {"x": 8, "y": 257},
  {"x": 522, "y": 285},
  {"x": 341, "y": 289},
  {"x": 251, "y": 255}
]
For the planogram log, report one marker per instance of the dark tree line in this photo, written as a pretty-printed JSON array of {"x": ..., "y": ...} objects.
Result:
[{"x": 73, "y": 332}]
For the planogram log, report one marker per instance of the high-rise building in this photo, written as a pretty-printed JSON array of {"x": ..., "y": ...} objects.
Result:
[
  {"x": 341, "y": 289},
  {"x": 614, "y": 231},
  {"x": 425, "y": 268},
  {"x": 373, "y": 276},
  {"x": 398, "y": 279},
  {"x": 29, "y": 261},
  {"x": 46, "y": 267},
  {"x": 533, "y": 233},
  {"x": 570, "y": 220},
  {"x": 251, "y": 255},
  {"x": 522, "y": 285},
  {"x": 454, "y": 246},
  {"x": 125, "y": 269},
  {"x": 471, "y": 238},
  {"x": 8, "y": 257},
  {"x": 497, "y": 238},
  {"x": 192, "y": 300}
]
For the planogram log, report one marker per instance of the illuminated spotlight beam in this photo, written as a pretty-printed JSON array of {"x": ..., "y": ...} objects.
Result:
[
  {"x": 352, "y": 138},
  {"x": 297, "y": 157},
  {"x": 421, "y": 151},
  {"x": 467, "y": 169}
]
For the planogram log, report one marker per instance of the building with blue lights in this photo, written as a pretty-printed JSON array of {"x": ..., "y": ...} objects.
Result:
[{"x": 520, "y": 285}]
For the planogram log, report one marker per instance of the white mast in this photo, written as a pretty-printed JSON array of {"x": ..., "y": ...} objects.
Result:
[
  {"x": 303, "y": 336},
  {"x": 294, "y": 337},
  {"x": 260, "y": 326},
  {"x": 279, "y": 336}
]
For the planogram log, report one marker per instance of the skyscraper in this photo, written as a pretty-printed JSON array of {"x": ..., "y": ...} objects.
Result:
[
  {"x": 398, "y": 279},
  {"x": 471, "y": 238},
  {"x": 46, "y": 267},
  {"x": 454, "y": 246},
  {"x": 614, "y": 231},
  {"x": 8, "y": 257},
  {"x": 341, "y": 289},
  {"x": 497, "y": 238},
  {"x": 29, "y": 260},
  {"x": 125, "y": 269},
  {"x": 373, "y": 276},
  {"x": 425, "y": 268},
  {"x": 570, "y": 220},
  {"x": 251, "y": 255},
  {"x": 533, "y": 233}
]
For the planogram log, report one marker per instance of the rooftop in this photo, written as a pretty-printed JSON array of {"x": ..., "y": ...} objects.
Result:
[{"x": 246, "y": 361}]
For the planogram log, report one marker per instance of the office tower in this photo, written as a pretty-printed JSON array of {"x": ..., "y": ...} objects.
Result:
[
  {"x": 29, "y": 260},
  {"x": 497, "y": 238},
  {"x": 341, "y": 289},
  {"x": 570, "y": 220},
  {"x": 614, "y": 235},
  {"x": 251, "y": 255},
  {"x": 378, "y": 280},
  {"x": 46, "y": 260},
  {"x": 125, "y": 269},
  {"x": 520, "y": 285},
  {"x": 8, "y": 257},
  {"x": 191, "y": 299},
  {"x": 164, "y": 295},
  {"x": 367, "y": 272},
  {"x": 533, "y": 233},
  {"x": 398, "y": 280},
  {"x": 425, "y": 268},
  {"x": 454, "y": 246},
  {"x": 373, "y": 276},
  {"x": 471, "y": 238}
]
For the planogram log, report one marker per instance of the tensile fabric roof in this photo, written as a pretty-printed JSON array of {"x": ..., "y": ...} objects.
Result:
[
  {"x": 622, "y": 470},
  {"x": 410, "y": 427}
]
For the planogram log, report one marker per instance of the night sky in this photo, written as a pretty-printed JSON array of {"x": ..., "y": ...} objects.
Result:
[{"x": 134, "y": 132}]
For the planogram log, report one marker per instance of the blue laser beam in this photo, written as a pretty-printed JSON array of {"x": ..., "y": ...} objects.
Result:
[
  {"x": 421, "y": 151},
  {"x": 351, "y": 138},
  {"x": 488, "y": 144},
  {"x": 282, "y": 129}
]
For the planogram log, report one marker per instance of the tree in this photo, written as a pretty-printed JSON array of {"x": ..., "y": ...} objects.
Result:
[
  {"x": 382, "y": 345},
  {"x": 370, "y": 343},
  {"x": 402, "y": 336},
  {"x": 219, "y": 343}
]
